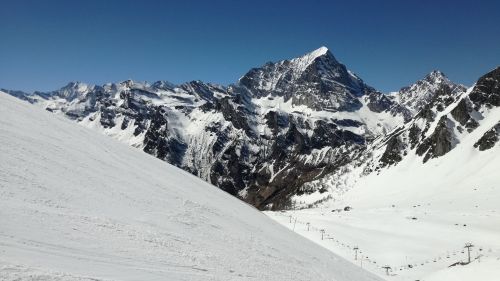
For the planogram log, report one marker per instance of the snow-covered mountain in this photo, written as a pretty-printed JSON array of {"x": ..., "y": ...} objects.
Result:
[
  {"x": 419, "y": 94},
  {"x": 76, "y": 205},
  {"x": 280, "y": 126},
  {"x": 414, "y": 197},
  {"x": 281, "y": 131},
  {"x": 441, "y": 126},
  {"x": 316, "y": 80}
]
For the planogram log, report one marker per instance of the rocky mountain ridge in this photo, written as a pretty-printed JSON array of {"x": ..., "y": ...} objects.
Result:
[{"x": 447, "y": 122}]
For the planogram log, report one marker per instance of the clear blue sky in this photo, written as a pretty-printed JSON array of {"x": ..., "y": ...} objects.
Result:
[{"x": 45, "y": 44}]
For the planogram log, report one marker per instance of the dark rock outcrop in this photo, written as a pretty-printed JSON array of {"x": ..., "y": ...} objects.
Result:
[
  {"x": 393, "y": 151},
  {"x": 489, "y": 139},
  {"x": 487, "y": 90},
  {"x": 439, "y": 143},
  {"x": 462, "y": 113}
]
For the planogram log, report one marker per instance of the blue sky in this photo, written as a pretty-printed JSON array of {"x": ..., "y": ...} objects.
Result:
[{"x": 45, "y": 44}]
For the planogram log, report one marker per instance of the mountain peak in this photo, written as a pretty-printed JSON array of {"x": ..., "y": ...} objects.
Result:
[
  {"x": 74, "y": 85},
  {"x": 437, "y": 72},
  {"x": 318, "y": 71},
  {"x": 421, "y": 93},
  {"x": 309, "y": 58},
  {"x": 163, "y": 85},
  {"x": 128, "y": 83},
  {"x": 319, "y": 52},
  {"x": 72, "y": 90},
  {"x": 435, "y": 75}
]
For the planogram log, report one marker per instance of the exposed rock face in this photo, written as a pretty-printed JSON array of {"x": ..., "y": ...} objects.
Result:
[
  {"x": 276, "y": 122},
  {"x": 487, "y": 90},
  {"x": 393, "y": 152},
  {"x": 489, "y": 139},
  {"x": 462, "y": 113},
  {"x": 378, "y": 102},
  {"x": 439, "y": 143}
]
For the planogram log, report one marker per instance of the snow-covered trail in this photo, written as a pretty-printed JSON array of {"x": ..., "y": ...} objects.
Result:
[{"x": 77, "y": 205}]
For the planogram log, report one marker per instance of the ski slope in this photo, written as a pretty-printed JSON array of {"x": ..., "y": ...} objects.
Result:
[{"x": 77, "y": 205}]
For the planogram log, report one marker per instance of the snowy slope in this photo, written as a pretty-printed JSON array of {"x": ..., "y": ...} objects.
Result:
[
  {"x": 76, "y": 205},
  {"x": 437, "y": 191}
]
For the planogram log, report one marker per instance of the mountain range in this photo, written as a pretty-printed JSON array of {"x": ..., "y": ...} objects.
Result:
[{"x": 288, "y": 134}]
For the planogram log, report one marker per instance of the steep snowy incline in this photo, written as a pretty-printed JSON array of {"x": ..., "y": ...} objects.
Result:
[{"x": 76, "y": 205}]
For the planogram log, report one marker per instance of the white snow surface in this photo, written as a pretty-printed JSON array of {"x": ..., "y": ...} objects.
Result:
[
  {"x": 484, "y": 270},
  {"x": 301, "y": 63},
  {"x": 77, "y": 205}
]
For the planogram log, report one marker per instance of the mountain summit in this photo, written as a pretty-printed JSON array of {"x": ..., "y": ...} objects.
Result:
[
  {"x": 420, "y": 93},
  {"x": 435, "y": 75},
  {"x": 304, "y": 61},
  {"x": 316, "y": 80},
  {"x": 320, "y": 51}
]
